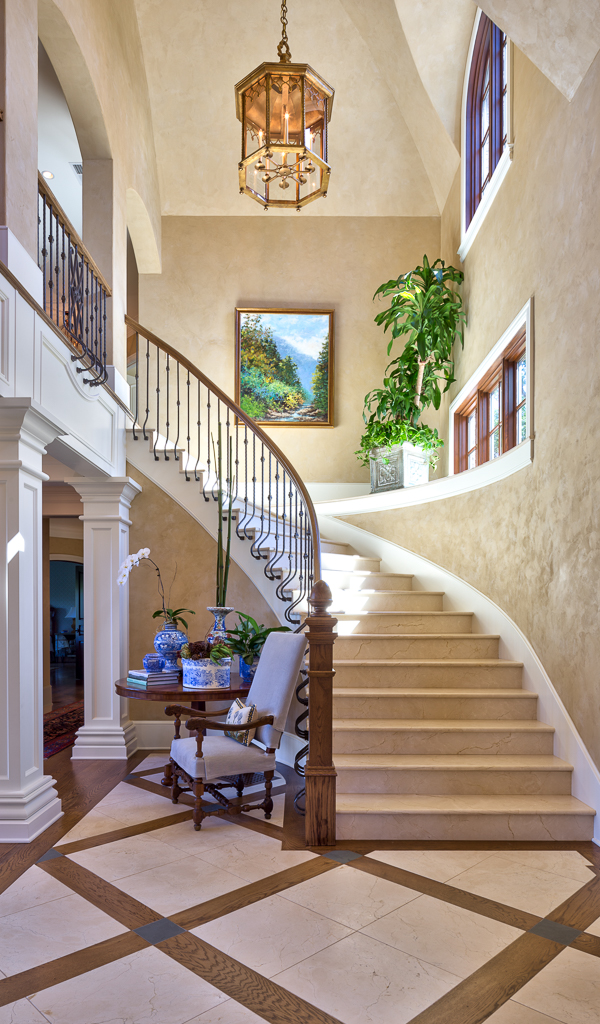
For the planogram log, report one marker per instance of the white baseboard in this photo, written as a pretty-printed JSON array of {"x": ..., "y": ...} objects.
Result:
[{"x": 97, "y": 743}]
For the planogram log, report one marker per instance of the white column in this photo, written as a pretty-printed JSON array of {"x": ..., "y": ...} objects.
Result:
[
  {"x": 107, "y": 731},
  {"x": 28, "y": 800}
]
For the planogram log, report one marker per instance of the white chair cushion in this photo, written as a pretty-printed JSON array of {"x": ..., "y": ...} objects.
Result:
[{"x": 221, "y": 756}]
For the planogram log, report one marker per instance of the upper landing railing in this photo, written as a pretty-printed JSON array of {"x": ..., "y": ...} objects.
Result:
[
  {"x": 75, "y": 292},
  {"x": 190, "y": 416}
]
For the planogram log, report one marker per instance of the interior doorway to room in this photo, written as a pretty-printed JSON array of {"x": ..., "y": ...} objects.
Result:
[{"x": 66, "y": 631}]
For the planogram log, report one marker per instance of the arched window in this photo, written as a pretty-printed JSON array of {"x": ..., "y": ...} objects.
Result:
[{"x": 486, "y": 125}]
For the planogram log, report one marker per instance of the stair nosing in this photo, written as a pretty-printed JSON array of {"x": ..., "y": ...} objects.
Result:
[
  {"x": 441, "y": 725},
  {"x": 393, "y": 691},
  {"x": 456, "y": 662},
  {"x": 511, "y": 805},
  {"x": 452, "y": 762}
]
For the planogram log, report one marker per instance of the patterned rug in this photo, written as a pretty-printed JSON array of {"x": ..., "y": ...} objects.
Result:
[{"x": 60, "y": 727}]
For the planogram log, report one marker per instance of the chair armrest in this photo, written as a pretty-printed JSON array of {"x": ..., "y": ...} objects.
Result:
[
  {"x": 179, "y": 709},
  {"x": 201, "y": 723}
]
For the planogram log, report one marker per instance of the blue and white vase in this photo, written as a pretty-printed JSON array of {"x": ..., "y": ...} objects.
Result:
[
  {"x": 168, "y": 643},
  {"x": 218, "y": 633}
]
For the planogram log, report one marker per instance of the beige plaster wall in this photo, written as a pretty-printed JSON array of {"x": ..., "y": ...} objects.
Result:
[
  {"x": 18, "y": 127},
  {"x": 175, "y": 538},
  {"x": 213, "y": 264},
  {"x": 531, "y": 542}
]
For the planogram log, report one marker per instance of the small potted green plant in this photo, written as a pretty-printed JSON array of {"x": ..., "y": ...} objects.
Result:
[
  {"x": 427, "y": 310},
  {"x": 206, "y": 666},
  {"x": 247, "y": 640}
]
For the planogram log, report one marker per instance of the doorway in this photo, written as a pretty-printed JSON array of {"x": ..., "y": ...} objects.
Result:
[{"x": 66, "y": 632}]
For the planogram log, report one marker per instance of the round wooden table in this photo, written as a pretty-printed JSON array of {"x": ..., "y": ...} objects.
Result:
[{"x": 174, "y": 693}]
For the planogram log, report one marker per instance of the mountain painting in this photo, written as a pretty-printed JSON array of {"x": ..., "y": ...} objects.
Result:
[{"x": 284, "y": 369}]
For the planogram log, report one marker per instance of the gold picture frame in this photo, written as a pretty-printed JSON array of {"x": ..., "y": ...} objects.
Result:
[{"x": 284, "y": 366}]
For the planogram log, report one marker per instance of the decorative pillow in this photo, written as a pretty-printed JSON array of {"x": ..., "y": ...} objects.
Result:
[{"x": 241, "y": 714}]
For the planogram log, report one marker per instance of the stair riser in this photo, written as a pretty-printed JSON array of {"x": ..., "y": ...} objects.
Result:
[
  {"x": 349, "y": 563},
  {"x": 427, "y": 741},
  {"x": 406, "y": 601},
  {"x": 466, "y": 827},
  {"x": 454, "y": 783},
  {"x": 428, "y": 647},
  {"x": 478, "y": 708},
  {"x": 408, "y": 622},
  {"x": 341, "y": 579},
  {"x": 438, "y": 676}
]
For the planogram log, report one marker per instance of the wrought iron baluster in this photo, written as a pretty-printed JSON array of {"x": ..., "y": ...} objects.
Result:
[
  {"x": 156, "y": 459},
  {"x": 187, "y": 461},
  {"x": 147, "y": 389},
  {"x": 206, "y": 479},
  {"x": 175, "y": 455},
  {"x": 137, "y": 385},
  {"x": 196, "y": 477}
]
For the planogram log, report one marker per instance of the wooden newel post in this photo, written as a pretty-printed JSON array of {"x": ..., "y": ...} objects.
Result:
[{"x": 320, "y": 771}]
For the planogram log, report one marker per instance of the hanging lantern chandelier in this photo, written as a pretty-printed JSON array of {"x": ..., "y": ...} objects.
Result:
[{"x": 284, "y": 109}]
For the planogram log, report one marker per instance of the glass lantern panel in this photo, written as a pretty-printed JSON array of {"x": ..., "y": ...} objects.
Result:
[
  {"x": 286, "y": 109},
  {"x": 255, "y": 120}
]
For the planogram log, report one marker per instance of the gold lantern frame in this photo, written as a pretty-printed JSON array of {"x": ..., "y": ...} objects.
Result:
[{"x": 297, "y": 162}]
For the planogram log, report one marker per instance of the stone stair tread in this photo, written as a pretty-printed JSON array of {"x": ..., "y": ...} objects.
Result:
[
  {"x": 376, "y": 572},
  {"x": 454, "y": 762},
  {"x": 399, "y": 662},
  {"x": 393, "y": 803},
  {"x": 440, "y": 725},
  {"x": 420, "y": 692}
]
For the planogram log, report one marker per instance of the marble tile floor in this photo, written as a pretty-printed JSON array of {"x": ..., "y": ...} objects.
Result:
[{"x": 135, "y": 918}]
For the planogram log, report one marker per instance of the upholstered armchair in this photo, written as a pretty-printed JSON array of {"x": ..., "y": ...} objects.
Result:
[{"x": 217, "y": 761}]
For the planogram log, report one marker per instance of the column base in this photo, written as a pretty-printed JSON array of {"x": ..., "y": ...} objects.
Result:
[
  {"x": 105, "y": 743},
  {"x": 24, "y": 817}
]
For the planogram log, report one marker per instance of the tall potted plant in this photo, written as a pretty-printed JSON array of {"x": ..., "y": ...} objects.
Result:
[
  {"x": 426, "y": 311},
  {"x": 218, "y": 633}
]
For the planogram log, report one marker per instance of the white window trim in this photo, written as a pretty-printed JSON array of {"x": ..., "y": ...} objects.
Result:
[
  {"x": 468, "y": 234},
  {"x": 523, "y": 319}
]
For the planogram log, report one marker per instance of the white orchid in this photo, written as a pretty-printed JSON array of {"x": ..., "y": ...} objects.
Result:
[{"x": 129, "y": 563}]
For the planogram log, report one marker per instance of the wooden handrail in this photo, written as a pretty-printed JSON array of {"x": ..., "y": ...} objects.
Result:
[
  {"x": 249, "y": 422},
  {"x": 66, "y": 223},
  {"x": 319, "y": 772}
]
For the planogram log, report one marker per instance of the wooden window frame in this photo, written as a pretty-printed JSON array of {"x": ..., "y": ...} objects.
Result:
[
  {"x": 490, "y": 44},
  {"x": 502, "y": 372}
]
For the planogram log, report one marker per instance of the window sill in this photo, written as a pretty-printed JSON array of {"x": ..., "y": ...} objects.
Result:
[
  {"x": 445, "y": 487},
  {"x": 488, "y": 198}
]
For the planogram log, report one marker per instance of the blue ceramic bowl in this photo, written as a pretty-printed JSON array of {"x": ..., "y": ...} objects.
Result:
[{"x": 153, "y": 662}]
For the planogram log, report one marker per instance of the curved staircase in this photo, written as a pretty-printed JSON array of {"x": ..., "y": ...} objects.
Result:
[{"x": 433, "y": 736}]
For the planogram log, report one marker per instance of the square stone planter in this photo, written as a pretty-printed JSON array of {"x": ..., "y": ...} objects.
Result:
[{"x": 401, "y": 465}]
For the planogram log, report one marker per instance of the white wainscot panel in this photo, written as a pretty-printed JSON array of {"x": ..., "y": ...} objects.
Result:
[
  {"x": 91, "y": 421},
  {"x": 7, "y": 340}
]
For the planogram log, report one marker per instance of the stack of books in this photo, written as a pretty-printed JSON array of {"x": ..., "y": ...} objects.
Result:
[{"x": 143, "y": 679}]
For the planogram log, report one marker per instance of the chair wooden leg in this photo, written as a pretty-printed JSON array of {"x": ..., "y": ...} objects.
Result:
[
  {"x": 167, "y": 779},
  {"x": 198, "y": 815},
  {"x": 268, "y": 801},
  {"x": 240, "y": 785},
  {"x": 175, "y": 788}
]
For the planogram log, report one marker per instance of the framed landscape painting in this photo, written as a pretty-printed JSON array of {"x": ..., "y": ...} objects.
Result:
[{"x": 284, "y": 366}]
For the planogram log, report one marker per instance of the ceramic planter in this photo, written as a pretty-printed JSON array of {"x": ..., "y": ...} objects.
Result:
[
  {"x": 400, "y": 465},
  {"x": 247, "y": 671},
  {"x": 205, "y": 675},
  {"x": 168, "y": 643}
]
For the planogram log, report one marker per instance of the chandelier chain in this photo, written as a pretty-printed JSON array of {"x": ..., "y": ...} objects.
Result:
[{"x": 283, "y": 49}]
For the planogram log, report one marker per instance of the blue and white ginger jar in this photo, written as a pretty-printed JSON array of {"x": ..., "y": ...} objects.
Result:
[{"x": 168, "y": 643}]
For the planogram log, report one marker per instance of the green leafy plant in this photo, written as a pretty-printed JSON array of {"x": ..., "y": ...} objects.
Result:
[
  {"x": 426, "y": 311},
  {"x": 173, "y": 615},
  {"x": 248, "y": 638},
  {"x": 202, "y": 650},
  {"x": 384, "y": 435}
]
